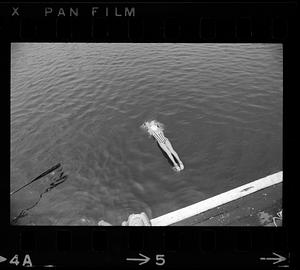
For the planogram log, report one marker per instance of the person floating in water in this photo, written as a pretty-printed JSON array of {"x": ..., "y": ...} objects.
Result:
[{"x": 155, "y": 129}]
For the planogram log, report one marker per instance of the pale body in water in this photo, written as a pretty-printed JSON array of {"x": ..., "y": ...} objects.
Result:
[{"x": 155, "y": 129}]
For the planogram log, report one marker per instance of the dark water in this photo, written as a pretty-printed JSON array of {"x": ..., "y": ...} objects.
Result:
[{"x": 82, "y": 105}]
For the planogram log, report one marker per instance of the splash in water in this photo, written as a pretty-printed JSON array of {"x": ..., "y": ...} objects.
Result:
[{"x": 153, "y": 123}]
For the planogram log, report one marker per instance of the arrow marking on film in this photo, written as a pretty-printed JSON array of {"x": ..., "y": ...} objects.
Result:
[
  {"x": 2, "y": 259},
  {"x": 143, "y": 260},
  {"x": 277, "y": 259}
]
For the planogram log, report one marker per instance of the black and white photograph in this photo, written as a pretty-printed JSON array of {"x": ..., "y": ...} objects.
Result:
[{"x": 146, "y": 134}]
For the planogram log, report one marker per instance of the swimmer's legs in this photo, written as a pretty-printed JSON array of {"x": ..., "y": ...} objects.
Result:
[
  {"x": 169, "y": 145},
  {"x": 167, "y": 150}
]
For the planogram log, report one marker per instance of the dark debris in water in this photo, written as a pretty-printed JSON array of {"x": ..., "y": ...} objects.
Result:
[{"x": 56, "y": 178}]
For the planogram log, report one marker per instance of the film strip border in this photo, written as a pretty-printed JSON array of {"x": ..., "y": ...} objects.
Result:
[
  {"x": 151, "y": 23},
  {"x": 171, "y": 22},
  {"x": 176, "y": 246}
]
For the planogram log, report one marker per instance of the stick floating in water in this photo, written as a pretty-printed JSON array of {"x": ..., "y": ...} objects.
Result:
[{"x": 38, "y": 177}]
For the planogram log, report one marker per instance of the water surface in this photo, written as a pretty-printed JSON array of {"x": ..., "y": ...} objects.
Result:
[{"x": 82, "y": 104}]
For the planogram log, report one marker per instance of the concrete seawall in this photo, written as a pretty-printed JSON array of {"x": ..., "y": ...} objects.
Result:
[{"x": 191, "y": 214}]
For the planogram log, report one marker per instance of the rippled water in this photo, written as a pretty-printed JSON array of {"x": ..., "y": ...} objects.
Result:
[{"x": 82, "y": 105}]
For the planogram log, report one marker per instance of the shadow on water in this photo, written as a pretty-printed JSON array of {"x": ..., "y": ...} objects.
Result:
[{"x": 166, "y": 156}]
